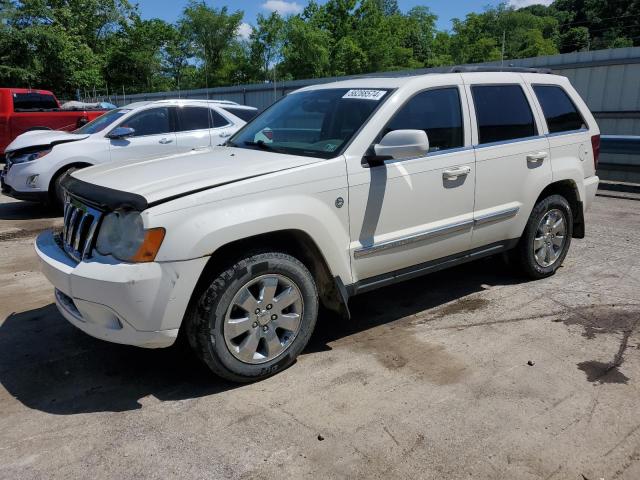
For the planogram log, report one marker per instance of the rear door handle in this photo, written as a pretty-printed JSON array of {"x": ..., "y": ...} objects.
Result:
[
  {"x": 537, "y": 157},
  {"x": 224, "y": 134},
  {"x": 453, "y": 173},
  {"x": 164, "y": 141}
]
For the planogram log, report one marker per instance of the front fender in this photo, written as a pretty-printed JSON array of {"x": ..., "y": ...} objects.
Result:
[{"x": 202, "y": 229}]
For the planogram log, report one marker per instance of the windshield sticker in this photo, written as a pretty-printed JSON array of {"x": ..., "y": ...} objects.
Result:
[
  {"x": 330, "y": 147},
  {"x": 365, "y": 94}
]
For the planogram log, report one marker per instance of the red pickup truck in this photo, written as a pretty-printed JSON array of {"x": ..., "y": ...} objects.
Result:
[{"x": 23, "y": 109}]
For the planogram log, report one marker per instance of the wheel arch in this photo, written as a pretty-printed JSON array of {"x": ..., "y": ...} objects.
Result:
[
  {"x": 294, "y": 242},
  {"x": 568, "y": 189},
  {"x": 60, "y": 171}
]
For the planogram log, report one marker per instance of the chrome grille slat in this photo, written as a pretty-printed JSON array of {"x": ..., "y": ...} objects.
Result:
[{"x": 80, "y": 225}]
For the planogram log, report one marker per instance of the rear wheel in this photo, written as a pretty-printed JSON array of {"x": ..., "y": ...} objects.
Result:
[
  {"x": 547, "y": 237},
  {"x": 254, "y": 318}
]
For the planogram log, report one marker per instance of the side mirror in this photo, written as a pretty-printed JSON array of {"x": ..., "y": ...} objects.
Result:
[
  {"x": 399, "y": 144},
  {"x": 120, "y": 133}
]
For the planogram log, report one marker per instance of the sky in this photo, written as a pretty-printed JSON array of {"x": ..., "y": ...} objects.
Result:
[{"x": 445, "y": 9}]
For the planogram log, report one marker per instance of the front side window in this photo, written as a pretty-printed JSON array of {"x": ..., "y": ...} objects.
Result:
[
  {"x": 33, "y": 101},
  {"x": 154, "y": 121},
  {"x": 438, "y": 113},
  {"x": 559, "y": 111},
  {"x": 315, "y": 123},
  {"x": 503, "y": 113},
  {"x": 193, "y": 118}
]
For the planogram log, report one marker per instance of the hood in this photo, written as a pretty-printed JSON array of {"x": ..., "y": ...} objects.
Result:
[
  {"x": 162, "y": 179},
  {"x": 38, "y": 138}
]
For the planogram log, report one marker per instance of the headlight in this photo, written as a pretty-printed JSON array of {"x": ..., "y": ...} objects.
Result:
[
  {"x": 22, "y": 157},
  {"x": 122, "y": 235}
]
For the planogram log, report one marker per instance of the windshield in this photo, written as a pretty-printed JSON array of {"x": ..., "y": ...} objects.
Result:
[
  {"x": 317, "y": 123},
  {"x": 103, "y": 121}
]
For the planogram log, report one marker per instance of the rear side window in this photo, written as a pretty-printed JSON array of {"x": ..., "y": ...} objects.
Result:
[
  {"x": 150, "y": 122},
  {"x": 193, "y": 118},
  {"x": 438, "y": 113},
  {"x": 219, "y": 120},
  {"x": 33, "y": 101},
  {"x": 503, "y": 113},
  {"x": 559, "y": 111},
  {"x": 245, "y": 114}
]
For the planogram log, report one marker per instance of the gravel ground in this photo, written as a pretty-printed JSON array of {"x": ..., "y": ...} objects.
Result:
[{"x": 468, "y": 373}]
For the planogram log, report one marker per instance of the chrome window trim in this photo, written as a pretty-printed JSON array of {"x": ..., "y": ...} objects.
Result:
[
  {"x": 507, "y": 142},
  {"x": 568, "y": 132}
]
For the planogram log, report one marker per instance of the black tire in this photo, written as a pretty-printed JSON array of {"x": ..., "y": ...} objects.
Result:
[
  {"x": 205, "y": 320},
  {"x": 524, "y": 252},
  {"x": 56, "y": 197}
]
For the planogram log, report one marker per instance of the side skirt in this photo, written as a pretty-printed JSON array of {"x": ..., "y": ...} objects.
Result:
[{"x": 414, "y": 271}]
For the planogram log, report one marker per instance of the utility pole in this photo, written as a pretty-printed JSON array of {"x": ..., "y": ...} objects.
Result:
[{"x": 504, "y": 33}]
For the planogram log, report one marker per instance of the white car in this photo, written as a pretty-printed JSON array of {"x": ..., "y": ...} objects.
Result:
[
  {"x": 36, "y": 161},
  {"x": 364, "y": 183}
]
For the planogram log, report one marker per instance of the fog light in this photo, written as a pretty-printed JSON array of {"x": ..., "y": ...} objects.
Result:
[{"x": 32, "y": 181}]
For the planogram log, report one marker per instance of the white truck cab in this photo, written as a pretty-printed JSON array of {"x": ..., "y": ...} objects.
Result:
[{"x": 335, "y": 190}]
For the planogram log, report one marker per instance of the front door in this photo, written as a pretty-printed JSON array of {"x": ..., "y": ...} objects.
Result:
[
  {"x": 154, "y": 136},
  {"x": 407, "y": 212}
]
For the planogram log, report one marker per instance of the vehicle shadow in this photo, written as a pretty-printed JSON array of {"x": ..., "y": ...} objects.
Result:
[
  {"x": 26, "y": 211},
  {"x": 49, "y": 365}
]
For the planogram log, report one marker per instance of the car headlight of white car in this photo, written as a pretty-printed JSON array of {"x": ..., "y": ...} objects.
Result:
[
  {"x": 21, "y": 157},
  {"x": 122, "y": 235}
]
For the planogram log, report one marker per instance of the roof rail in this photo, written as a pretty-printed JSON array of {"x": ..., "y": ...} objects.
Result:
[{"x": 489, "y": 68}]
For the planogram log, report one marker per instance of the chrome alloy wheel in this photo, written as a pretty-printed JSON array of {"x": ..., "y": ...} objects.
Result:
[
  {"x": 263, "y": 319},
  {"x": 550, "y": 238}
]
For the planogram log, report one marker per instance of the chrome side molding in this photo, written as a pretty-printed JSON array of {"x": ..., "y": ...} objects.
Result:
[
  {"x": 408, "y": 240},
  {"x": 496, "y": 216},
  {"x": 377, "y": 248}
]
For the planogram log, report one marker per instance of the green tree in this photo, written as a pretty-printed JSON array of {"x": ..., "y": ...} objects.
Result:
[
  {"x": 306, "y": 50},
  {"x": 267, "y": 40},
  {"x": 212, "y": 31}
]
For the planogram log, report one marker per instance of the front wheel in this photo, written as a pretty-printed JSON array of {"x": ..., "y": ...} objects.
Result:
[
  {"x": 255, "y": 317},
  {"x": 546, "y": 238}
]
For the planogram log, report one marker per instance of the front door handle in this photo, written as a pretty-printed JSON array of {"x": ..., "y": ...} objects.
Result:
[
  {"x": 454, "y": 173},
  {"x": 537, "y": 157},
  {"x": 164, "y": 141},
  {"x": 224, "y": 134}
]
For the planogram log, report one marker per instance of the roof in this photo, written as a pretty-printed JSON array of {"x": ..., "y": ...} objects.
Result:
[
  {"x": 184, "y": 101},
  {"x": 26, "y": 90}
]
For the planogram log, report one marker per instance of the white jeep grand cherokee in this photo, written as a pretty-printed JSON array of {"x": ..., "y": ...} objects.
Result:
[{"x": 334, "y": 190}]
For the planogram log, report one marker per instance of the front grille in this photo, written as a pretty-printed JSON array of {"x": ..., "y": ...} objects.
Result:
[{"x": 80, "y": 226}]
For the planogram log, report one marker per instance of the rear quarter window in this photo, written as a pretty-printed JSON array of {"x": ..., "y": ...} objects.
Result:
[
  {"x": 33, "y": 101},
  {"x": 245, "y": 114},
  {"x": 502, "y": 112},
  {"x": 559, "y": 110}
]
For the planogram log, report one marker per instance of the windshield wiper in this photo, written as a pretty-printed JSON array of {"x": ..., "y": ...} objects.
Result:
[{"x": 261, "y": 144}]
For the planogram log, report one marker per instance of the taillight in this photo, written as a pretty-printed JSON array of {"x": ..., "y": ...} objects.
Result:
[{"x": 595, "y": 144}]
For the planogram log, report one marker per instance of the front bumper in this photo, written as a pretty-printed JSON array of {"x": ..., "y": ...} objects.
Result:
[
  {"x": 13, "y": 182},
  {"x": 135, "y": 304}
]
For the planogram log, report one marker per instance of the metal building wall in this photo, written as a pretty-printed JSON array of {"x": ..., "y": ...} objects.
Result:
[{"x": 608, "y": 80}]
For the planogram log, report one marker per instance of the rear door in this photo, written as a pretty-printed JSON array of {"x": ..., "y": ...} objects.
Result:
[
  {"x": 193, "y": 127},
  {"x": 154, "y": 136},
  {"x": 512, "y": 156}
]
